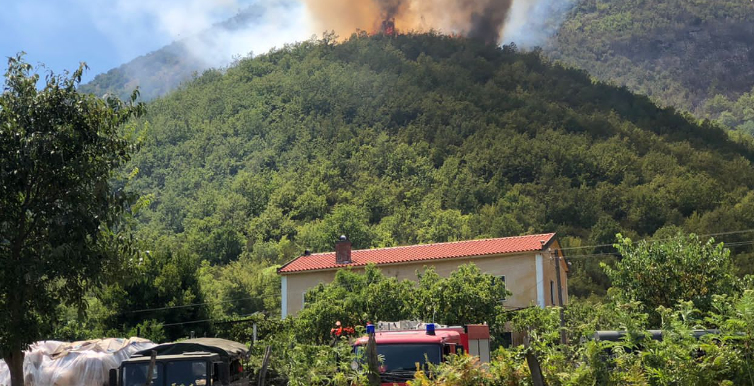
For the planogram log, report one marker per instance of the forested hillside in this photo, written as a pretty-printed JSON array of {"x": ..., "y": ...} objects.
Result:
[
  {"x": 155, "y": 74},
  {"x": 694, "y": 55},
  {"x": 416, "y": 139},
  {"x": 161, "y": 71}
]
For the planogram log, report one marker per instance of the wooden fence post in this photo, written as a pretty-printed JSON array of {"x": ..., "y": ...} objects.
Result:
[
  {"x": 265, "y": 363},
  {"x": 150, "y": 369}
]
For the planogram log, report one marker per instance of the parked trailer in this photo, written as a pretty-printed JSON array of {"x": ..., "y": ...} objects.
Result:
[
  {"x": 74, "y": 363},
  {"x": 198, "y": 362}
]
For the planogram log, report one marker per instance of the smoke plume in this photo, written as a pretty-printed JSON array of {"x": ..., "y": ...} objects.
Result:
[
  {"x": 213, "y": 31},
  {"x": 482, "y": 19},
  {"x": 532, "y": 22}
]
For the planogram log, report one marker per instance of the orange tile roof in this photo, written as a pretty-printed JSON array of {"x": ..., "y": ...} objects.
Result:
[{"x": 393, "y": 255}]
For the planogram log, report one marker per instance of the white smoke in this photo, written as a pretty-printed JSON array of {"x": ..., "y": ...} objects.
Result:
[
  {"x": 201, "y": 25},
  {"x": 531, "y": 22},
  {"x": 259, "y": 28}
]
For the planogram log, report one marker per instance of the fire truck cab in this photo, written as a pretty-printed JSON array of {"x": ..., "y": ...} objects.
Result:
[{"x": 403, "y": 350}]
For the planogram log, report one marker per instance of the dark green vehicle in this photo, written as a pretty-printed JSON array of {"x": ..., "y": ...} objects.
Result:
[{"x": 193, "y": 362}]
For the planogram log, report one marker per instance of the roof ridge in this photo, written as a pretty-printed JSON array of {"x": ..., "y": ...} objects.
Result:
[
  {"x": 405, "y": 253},
  {"x": 431, "y": 244}
]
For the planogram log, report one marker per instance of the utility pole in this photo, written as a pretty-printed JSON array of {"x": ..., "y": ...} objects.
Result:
[{"x": 563, "y": 339}]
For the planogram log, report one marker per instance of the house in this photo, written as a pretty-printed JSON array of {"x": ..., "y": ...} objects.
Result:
[{"x": 525, "y": 263}]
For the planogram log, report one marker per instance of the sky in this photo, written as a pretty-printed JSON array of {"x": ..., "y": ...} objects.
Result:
[
  {"x": 107, "y": 33},
  {"x": 102, "y": 33}
]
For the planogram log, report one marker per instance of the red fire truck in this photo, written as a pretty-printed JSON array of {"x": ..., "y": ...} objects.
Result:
[{"x": 402, "y": 350}]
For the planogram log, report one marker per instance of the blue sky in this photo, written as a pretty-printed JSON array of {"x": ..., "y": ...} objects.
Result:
[{"x": 102, "y": 33}]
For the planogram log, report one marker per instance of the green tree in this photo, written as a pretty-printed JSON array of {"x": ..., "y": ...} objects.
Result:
[
  {"x": 164, "y": 286},
  {"x": 466, "y": 296},
  {"x": 59, "y": 206},
  {"x": 353, "y": 298},
  {"x": 682, "y": 268}
]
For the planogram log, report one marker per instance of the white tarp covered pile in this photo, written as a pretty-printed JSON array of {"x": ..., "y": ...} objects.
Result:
[{"x": 84, "y": 363}]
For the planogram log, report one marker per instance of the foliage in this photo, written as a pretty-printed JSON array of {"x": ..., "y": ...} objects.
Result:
[
  {"x": 723, "y": 358},
  {"x": 692, "y": 55},
  {"x": 162, "y": 286},
  {"x": 466, "y": 296},
  {"x": 240, "y": 288},
  {"x": 506, "y": 368},
  {"x": 733, "y": 113},
  {"x": 295, "y": 363},
  {"x": 353, "y": 298},
  {"x": 413, "y": 139},
  {"x": 149, "y": 329},
  {"x": 682, "y": 268},
  {"x": 424, "y": 138},
  {"x": 60, "y": 206},
  {"x": 357, "y": 298}
]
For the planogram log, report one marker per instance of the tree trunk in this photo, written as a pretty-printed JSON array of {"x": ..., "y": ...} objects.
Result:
[
  {"x": 15, "y": 361},
  {"x": 536, "y": 371}
]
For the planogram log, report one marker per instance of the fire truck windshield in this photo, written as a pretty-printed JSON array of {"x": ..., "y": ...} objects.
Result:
[{"x": 405, "y": 356}]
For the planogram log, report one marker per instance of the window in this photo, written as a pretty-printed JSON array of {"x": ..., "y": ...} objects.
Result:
[
  {"x": 552, "y": 292},
  {"x": 405, "y": 356},
  {"x": 187, "y": 373},
  {"x": 501, "y": 278},
  {"x": 135, "y": 374}
]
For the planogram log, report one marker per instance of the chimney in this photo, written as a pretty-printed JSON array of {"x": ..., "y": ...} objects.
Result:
[{"x": 343, "y": 250}]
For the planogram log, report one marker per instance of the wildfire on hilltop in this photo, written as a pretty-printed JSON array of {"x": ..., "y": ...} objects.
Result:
[
  {"x": 480, "y": 19},
  {"x": 388, "y": 27}
]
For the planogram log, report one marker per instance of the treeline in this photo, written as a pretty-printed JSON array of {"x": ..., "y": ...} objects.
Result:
[
  {"x": 394, "y": 141},
  {"x": 690, "y": 55}
]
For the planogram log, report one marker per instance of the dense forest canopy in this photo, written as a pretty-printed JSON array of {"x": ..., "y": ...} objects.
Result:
[
  {"x": 693, "y": 55},
  {"x": 424, "y": 138}
]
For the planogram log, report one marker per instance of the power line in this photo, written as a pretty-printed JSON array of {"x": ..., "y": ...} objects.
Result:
[
  {"x": 210, "y": 320},
  {"x": 662, "y": 239},
  {"x": 187, "y": 305},
  {"x": 593, "y": 255},
  {"x": 726, "y": 245}
]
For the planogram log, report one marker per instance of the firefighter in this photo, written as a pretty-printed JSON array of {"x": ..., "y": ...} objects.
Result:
[{"x": 340, "y": 332}]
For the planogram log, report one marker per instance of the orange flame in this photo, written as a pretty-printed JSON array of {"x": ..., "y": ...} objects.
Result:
[{"x": 482, "y": 19}]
